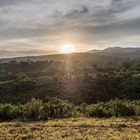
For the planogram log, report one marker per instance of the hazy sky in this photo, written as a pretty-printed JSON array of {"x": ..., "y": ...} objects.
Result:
[{"x": 32, "y": 27}]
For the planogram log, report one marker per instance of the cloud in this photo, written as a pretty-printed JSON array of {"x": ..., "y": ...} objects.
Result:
[
  {"x": 51, "y": 23},
  {"x": 77, "y": 12},
  {"x": 7, "y": 2}
]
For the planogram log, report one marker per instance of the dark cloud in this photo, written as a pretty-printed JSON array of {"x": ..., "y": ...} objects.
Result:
[
  {"x": 8, "y": 2},
  {"x": 77, "y": 12},
  {"x": 115, "y": 7},
  {"x": 129, "y": 27}
]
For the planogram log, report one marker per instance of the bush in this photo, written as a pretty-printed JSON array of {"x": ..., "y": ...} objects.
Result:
[
  {"x": 8, "y": 112},
  {"x": 120, "y": 108},
  {"x": 135, "y": 105},
  {"x": 56, "y": 108},
  {"x": 33, "y": 110},
  {"x": 98, "y": 111},
  {"x": 116, "y": 108},
  {"x": 80, "y": 110}
]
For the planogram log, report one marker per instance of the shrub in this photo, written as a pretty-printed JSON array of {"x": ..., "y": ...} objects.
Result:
[
  {"x": 80, "y": 110},
  {"x": 8, "y": 112},
  {"x": 33, "y": 110},
  {"x": 98, "y": 111},
  {"x": 57, "y": 108},
  {"x": 115, "y": 108},
  {"x": 135, "y": 105},
  {"x": 120, "y": 108}
]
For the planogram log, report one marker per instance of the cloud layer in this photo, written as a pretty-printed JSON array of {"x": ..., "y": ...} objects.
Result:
[{"x": 35, "y": 26}]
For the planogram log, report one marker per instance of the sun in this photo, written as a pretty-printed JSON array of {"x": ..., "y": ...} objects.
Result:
[{"x": 68, "y": 48}]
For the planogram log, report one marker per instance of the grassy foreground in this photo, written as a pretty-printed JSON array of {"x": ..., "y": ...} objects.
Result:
[{"x": 73, "y": 129}]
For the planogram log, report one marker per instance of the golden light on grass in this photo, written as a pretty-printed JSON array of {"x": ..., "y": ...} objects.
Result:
[{"x": 67, "y": 49}]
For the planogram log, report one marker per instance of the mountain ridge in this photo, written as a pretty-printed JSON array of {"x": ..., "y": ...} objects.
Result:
[
  {"x": 117, "y": 50},
  {"x": 111, "y": 53}
]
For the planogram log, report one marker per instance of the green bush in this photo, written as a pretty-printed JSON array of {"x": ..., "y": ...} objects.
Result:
[
  {"x": 8, "y": 112},
  {"x": 120, "y": 108},
  {"x": 33, "y": 110},
  {"x": 98, "y": 111},
  {"x": 135, "y": 105},
  {"x": 116, "y": 108},
  {"x": 56, "y": 108}
]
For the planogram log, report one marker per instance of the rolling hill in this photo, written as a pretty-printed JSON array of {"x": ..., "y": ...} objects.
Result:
[
  {"x": 79, "y": 77},
  {"x": 115, "y": 55},
  {"x": 117, "y": 50}
]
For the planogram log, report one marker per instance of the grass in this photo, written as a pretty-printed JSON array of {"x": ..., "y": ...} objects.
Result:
[{"x": 73, "y": 129}]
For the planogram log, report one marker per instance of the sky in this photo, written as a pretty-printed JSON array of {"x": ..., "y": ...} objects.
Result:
[{"x": 35, "y": 27}]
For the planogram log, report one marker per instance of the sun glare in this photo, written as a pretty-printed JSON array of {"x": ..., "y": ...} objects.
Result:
[{"x": 68, "y": 48}]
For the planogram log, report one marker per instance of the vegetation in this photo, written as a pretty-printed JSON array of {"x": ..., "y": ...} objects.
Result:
[
  {"x": 55, "y": 108},
  {"x": 78, "y": 83},
  {"x": 69, "y": 88}
]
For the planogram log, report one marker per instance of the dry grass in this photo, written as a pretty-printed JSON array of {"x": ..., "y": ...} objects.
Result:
[{"x": 73, "y": 129}]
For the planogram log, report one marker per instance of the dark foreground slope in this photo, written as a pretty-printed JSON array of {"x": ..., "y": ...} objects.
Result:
[{"x": 81, "y": 77}]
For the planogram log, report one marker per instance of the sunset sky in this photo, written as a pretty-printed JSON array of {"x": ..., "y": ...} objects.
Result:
[{"x": 34, "y": 27}]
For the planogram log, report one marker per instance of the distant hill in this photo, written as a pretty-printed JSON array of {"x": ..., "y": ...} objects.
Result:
[
  {"x": 114, "y": 55},
  {"x": 93, "y": 51},
  {"x": 117, "y": 50},
  {"x": 121, "y": 50}
]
